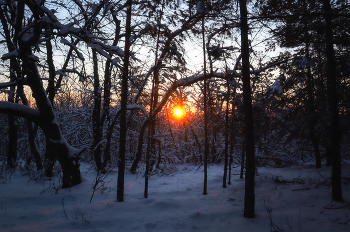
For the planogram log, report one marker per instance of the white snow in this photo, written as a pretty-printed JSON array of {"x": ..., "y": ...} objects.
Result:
[
  {"x": 175, "y": 202},
  {"x": 276, "y": 87}
]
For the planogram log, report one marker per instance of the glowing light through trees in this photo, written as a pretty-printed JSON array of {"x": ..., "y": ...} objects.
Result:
[{"x": 178, "y": 112}]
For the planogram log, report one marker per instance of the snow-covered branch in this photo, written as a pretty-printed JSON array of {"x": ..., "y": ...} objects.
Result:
[
  {"x": 20, "y": 110},
  {"x": 133, "y": 107},
  {"x": 187, "y": 81}
]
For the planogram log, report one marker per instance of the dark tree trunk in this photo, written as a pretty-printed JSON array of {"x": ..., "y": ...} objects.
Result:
[
  {"x": 333, "y": 105},
  {"x": 56, "y": 144},
  {"x": 151, "y": 128},
  {"x": 96, "y": 115},
  {"x": 249, "y": 199},
  {"x": 310, "y": 90},
  {"x": 31, "y": 134},
  {"x": 139, "y": 147},
  {"x": 107, "y": 98},
  {"x": 123, "y": 106},
  {"x": 226, "y": 134},
  {"x": 105, "y": 112},
  {"x": 33, "y": 147},
  {"x": 12, "y": 145},
  {"x": 206, "y": 140},
  {"x": 107, "y": 150},
  {"x": 145, "y": 194},
  {"x": 52, "y": 71},
  {"x": 49, "y": 157},
  {"x": 242, "y": 160},
  {"x": 312, "y": 116}
]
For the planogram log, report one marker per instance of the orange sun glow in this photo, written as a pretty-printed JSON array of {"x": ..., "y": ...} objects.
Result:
[{"x": 178, "y": 112}]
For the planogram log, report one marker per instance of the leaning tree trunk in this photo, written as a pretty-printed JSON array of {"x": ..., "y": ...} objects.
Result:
[
  {"x": 31, "y": 134},
  {"x": 49, "y": 157},
  {"x": 66, "y": 155}
]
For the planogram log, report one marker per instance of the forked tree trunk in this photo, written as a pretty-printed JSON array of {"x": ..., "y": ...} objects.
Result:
[{"x": 67, "y": 156}]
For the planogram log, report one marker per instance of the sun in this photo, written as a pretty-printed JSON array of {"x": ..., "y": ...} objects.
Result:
[{"x": 178, "y": 112}]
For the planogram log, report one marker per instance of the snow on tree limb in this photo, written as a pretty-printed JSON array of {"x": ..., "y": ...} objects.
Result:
[
  {"x": 133, "y": 107},
  {"x": 20, "y": 110},
  {"x": 72, "y": 45},
  {"x": 187, "y": 81},
  {"x": 9, "y": 55}
]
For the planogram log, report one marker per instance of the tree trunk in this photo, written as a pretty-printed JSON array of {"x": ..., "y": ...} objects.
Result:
[
  {"x": 12, "y": 145},
  {"x": 206, "y": 141},
  {"x": 139, "y": 147},
  {"x": 226, "y": 134},
  {"x": 310, "y": 89},
  {"x": 249, "y": 199},
  {"x": 123, "y": 106},
  {"x": 31, "y": 134},
  {"x": 242, "y": 160},
  {"x": 107, "y": 98},
  {"x": 67, "y": 156},
  {"x": 96, "y": 120},
  {"x": 333, "y": 105}
]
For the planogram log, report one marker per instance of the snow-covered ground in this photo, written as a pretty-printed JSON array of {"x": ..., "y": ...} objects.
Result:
[{"x": 287, "y": 199}]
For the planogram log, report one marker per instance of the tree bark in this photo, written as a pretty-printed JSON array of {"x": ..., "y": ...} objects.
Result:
[
  {"x": 310, "y": 89},
  {"x": 12, "y": 144},
  {"x": 31, "y": 134},
  {"x": 67, "y": 156},
  {"x": 226, "y": 134},
  {"x": 56, "y": 143},
  {"x": 333, "y": 105},
  {"x": 123, "y": 106},
  {"x": 249, "y": 199},
  {"x": 96, "y": 120},
  {"x": 206, "y": 140}
]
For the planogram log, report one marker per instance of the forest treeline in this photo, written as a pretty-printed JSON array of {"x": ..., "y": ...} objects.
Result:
[{"x": 262, "y": 82}]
